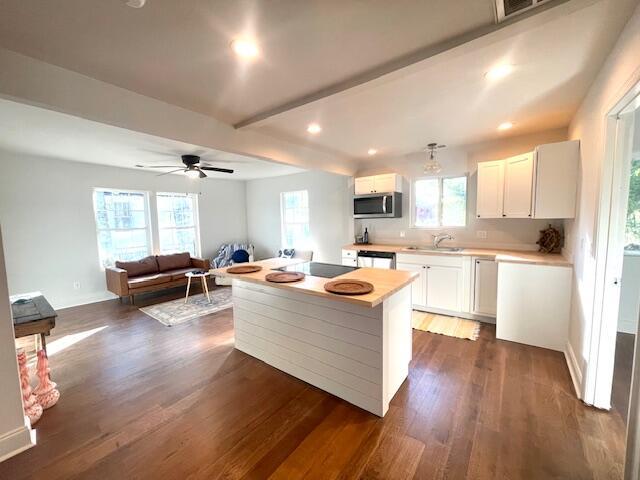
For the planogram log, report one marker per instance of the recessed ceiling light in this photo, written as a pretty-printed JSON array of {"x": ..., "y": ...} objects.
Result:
[
  {"x": 372, "y": 151},
  {"x": 499, "y": 71},
  {"x": 505, "y": 126},
  {"x": 245, "y": 48},
  {"x": 314, "y": 128}
]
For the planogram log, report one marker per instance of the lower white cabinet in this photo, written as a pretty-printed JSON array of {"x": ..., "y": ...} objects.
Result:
[
  {"x": 443, "y": 281},
  {"x": 349, "y": 258},
  {"x": 534, "y": 303},
  {"x": 444, "y": 288},
  {"x": 418, "y": 287},
  {"x": 485, "y": 286}
]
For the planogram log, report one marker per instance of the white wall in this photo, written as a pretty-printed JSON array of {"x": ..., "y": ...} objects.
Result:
[
  {"x": 331, "y": 220},
  {"x": 14, "y": 434},
  {"x": 620, "y": 71},
  {"x": 46, "y": 213},
  {"x": 501, "y": 233}
]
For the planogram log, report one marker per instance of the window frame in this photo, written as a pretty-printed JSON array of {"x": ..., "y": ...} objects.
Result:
[
  {"x": 196, "y": 218},
  {"x": 148, "y": 224},
  {"x": 283, "y": 217},
  {"x": 440, "y": 226}
]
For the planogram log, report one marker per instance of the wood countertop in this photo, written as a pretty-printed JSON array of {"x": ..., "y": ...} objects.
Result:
[
  {"x": 507, "y": 256},
  {"x": 385, "y": 282}
]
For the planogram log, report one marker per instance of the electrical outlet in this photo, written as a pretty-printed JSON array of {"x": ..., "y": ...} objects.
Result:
[
  {"x": 76, "y": 285},
  {"x": 481, "y": 234},
  {"x": 401, "y": 233}
]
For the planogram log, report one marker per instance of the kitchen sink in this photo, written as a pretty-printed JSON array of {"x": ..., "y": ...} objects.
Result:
[{"x": 434, "y": 249}]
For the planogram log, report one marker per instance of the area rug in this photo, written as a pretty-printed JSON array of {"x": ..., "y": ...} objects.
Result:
[
  {"x": 444, "y": 325},
  {"x": 176, "y": 312}
]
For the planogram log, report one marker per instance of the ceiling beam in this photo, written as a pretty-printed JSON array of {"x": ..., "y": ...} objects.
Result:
[{"x": 391, "y": 66}]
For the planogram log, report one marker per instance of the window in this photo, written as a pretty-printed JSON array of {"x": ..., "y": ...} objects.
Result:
[
  {"x": 295, "y": 219},
  {"x": 122, "y": 225},
  {"x": 440, "y": 202},
  {"x": 178, "y": 223}
]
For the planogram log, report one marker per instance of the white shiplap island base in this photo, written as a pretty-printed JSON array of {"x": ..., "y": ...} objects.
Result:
[{"x": 357, "y": 352}]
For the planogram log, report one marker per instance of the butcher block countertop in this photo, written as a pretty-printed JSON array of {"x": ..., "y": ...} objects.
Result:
[
  {"x": 385, "y": 282},
  {"x": 509, "y": 256}
]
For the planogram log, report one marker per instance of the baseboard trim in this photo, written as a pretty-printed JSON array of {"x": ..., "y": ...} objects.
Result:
[
  {"x": 451, "y": 313},
  {"x": 574, "y": 369},
  {"x": 17, "y": 441}
]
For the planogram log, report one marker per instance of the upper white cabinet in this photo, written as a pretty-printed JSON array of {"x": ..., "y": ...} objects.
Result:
[
  {"x": 541, "y": 184},
  {"x": 556, "y": 175},
  {"x": 518, "y": 185},
  {"x": 490, "y": 189},
  {"x": 388, "y": 182}
]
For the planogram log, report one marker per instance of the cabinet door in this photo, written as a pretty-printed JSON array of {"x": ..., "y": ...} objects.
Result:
[
  {"x": 444, "y": 288},
  {"x": 490, "y": 189},
  {"x": 518, "y": 186},
  {"x": 556, "y": 180},
  {"x": 418, "y": 287},
  {"x": 364, "y": 185},
  {"x": 384, "y": 183},
  {"x": 349, "y": 262},
  {"x": 485, "y": 288}
]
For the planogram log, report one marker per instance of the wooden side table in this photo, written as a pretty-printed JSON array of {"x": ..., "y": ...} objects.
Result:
[
  {"x": 203, "y": 279},
  {"x": 34, "y": 316}
]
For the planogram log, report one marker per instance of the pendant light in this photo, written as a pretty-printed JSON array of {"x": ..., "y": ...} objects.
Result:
[{"x": 432, "y": 166}]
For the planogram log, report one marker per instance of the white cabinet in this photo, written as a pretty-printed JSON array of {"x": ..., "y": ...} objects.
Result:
[
  {"x": 540, "y": 184},
  {"x": 518, "y": 186},
  {"x": 485, "y": 287},
  {"x": 444, "y": 288},
  {"x": 443, "y": 284},
  {"x": 490, "y": 189},
  {"x": 534, "y": 304},
  {"x": 349, "y": 258},
  {"x": 418, "y": 287},
  {"x": 388, "y": 182},
  {"x": 556, "y": 173}
]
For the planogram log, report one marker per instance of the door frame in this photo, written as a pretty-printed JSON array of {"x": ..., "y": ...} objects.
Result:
[{"x": 608, "y": 257}]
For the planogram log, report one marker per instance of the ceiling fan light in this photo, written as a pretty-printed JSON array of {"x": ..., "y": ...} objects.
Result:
[{"x": 192, "y": 173}]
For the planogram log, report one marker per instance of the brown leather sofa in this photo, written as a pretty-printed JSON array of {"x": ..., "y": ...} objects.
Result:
[{"x": 151, "y": 274}]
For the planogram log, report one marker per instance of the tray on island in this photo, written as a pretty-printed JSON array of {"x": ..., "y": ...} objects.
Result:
[
  {"x": 348, "y": 287},
  {"x": 244, "y": 269},
  {"x": 284, "y": 277}
]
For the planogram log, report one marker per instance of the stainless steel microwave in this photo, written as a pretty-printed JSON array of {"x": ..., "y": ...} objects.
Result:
[{"x": 378, "y": 205}]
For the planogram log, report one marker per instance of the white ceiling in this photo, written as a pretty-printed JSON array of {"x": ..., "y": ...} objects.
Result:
[
  {"x": 35, "y": 131},
  {"x": 178, "y": 51},
  {"x": 447, "y": 98}
]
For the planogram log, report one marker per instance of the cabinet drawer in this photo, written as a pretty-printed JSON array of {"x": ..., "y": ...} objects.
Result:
[
  {"x": 349, "y": 254},
  {"x": 428, "y": 259},
  {"x": 349, "y": 262}
]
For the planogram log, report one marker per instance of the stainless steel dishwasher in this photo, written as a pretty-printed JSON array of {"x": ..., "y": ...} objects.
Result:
[{"x": 367, "y": 258}]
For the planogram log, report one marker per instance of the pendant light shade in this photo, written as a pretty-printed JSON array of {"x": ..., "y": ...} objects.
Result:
[{"x": 432, "y": 166}]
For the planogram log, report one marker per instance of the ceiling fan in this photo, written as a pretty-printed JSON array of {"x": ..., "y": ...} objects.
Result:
[{"x": 193, "y": 167}]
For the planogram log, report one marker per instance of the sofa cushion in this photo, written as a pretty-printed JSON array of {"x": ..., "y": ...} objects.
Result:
[
  {"x": 179, "y": 273},
  {"x": 174, "y": 262},
  {"x": 143, "y": 266},
  {"x": 148, "y": 280}
]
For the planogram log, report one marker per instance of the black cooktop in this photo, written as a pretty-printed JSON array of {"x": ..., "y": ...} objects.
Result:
[{"x": 317, "y": 269}]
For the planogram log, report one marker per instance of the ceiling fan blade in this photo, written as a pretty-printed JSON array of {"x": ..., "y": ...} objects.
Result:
[
  {"x": 216, "y": 169},
  {"x": 202, "y": 174},
  {"x": 172, "y": 171},
  {"x": 156, "y": 166}
]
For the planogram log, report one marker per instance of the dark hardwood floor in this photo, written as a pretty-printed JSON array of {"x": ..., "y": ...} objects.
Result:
[{"x": 145, "y": 401}]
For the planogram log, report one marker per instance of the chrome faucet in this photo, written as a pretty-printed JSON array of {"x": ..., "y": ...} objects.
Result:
[{"x": 440, "y": 237}]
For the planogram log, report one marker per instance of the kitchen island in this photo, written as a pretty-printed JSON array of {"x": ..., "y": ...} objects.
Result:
[{"x": 357, "y": 348}]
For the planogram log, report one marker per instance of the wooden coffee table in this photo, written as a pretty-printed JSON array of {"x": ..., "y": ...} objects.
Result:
[{"x": 203, "y": 279}]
